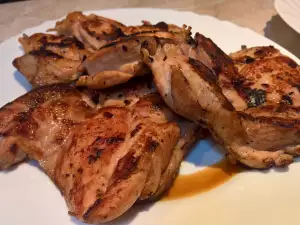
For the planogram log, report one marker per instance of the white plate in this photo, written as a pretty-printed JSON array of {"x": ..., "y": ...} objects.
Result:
[
  {"x": 28, "y": 197},
  {"x": 289, "y": 10}
]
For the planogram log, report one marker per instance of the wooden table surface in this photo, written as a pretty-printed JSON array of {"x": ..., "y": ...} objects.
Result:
[{"x": 259, "y": 15}]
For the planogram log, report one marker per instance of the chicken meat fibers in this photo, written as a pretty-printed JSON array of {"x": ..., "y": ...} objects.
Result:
[
  {"x": 103, "y": 159},
  {"x": 249, "y": 102}
]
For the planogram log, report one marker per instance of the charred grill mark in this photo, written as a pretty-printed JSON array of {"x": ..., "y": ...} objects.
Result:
[
  {"x": 126, "y": 102},
  {"x": 211, "y": 78},
  {"x": 99, "y": 194},
  {"x": 91, "y": 208},
  {"x": 238, "y": 82},
  {"x": 59, "y": 139},
  {"x": 280, "y": 122},
  {"x": 204, "y": 71},
  {"x": 191, "y": 41},
  {"x": 83, "y": 58},
  {"x": 255, "y": 97},
  {"x": 42, "y": 52},
  {"x": 126, "y": 166},
  {"x": 13, "y": 149},
  {"x": 23, "y": 116},
  {"x": 162, "y": 26},
  {"x": 265, "y": 85},
  {"x": 120, "y": 33},
  {"x": 64, "y": 43},
  {"x": 156, "y": 107},
  {"x": 151, "y": 145},
  {"x": 90, "y": 32},
  {"x": 150, "y": 58},
  {"x": 286, "y": 99},
  {"x": 80, "y": 170},
  {"x": 124, "y": 47},
  {"x": 136, "y": 130},
  {"x": 291, "y": 63},
  {"x": 219, "y": 59},
  {"x": 94, "y": 158},
  {"x": 114, "y": 140},
  {"x": 259, "y": 52},
  {"x": 265, "y": 51},
  {"x": 249, "y": 60},
  {"x": 28, "y": 128},
  {"x": 111, "y": 44},
  {"x": 108, "y": 115},
  {"x": 78, "y": 44}
]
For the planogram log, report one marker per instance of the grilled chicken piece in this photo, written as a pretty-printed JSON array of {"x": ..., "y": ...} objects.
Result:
[
  {"x": 111, "y": 156},
  {"x": 103, "y": 160},
  {"x": 53, "y": 59},
  {"x": 120, "y": 61},
  {"x": 67, "y": 47},
  {"x": 258, "y": 136},
  {"x": 40, "y": 121},
  {"x": 44, "y": 67},
  {"x": 50, "y": 59},
  {"x": 267, "y": 98},
  {"x": 92, "y": 30},
  {"x": 114, "y": 64},
  {"x": 96, "y": 31}
]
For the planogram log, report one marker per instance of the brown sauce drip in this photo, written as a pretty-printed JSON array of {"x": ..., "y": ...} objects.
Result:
[{"x": 203, "y": 180}]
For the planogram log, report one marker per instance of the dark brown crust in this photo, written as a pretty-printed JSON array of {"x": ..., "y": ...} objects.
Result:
[
  {"x": 211, "y": 78},
  {"x": 220, "y": 60}
]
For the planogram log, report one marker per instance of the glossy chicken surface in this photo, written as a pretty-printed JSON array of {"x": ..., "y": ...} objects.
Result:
[
  {"x": 199, "y": 85},
  {"x": 50, "y": 59},
  {"x": 92, "y": 30},
  {"x": 97, "y": 31},
  {"x": 39, "y": 122},
  {"x": 102, "y": 158},
  {"x": 92, "y": 51}
]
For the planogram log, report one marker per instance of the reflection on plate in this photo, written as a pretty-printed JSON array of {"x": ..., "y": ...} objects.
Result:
[{"x": 289, "y": 10}]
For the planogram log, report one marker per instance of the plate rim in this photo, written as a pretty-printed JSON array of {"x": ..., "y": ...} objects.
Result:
[{"x": 284, "y": 16}]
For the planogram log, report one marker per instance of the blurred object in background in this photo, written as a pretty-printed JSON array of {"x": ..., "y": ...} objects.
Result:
[
  {"x": 289, "y": 11},
  {"x": 9, "y": 1},
  {"x": 283, "y": 28}
]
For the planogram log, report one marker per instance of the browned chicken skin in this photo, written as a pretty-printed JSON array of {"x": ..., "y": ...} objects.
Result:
[
  {"x": 103, "y": 160},
  {"x": 41, "y": 118},
  {"x": 92, "y": 30},
  {"x": 96, "y": 31},
  {"x": 259, "y": 137},
  {"x": 58, "y": 58},
  {"x": 114, "y": 64},
  {"x": 50, "y": 59}
]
